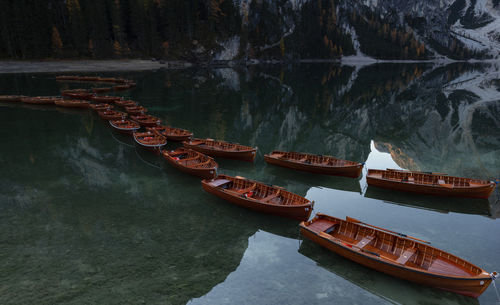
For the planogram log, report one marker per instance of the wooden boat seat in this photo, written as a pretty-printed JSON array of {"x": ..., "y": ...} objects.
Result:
[
  {"x": 303, "y": 159},
  {"x": 219, "y": 182},
  {"x": 189, "y": 159},
  {"x": 271, "y": 197},
  {"x": 405, "y": 256},
  {"x": 246, "y": 190},
  {"x": 365, "y": 241},
  {"x": 411, "y": 179},
  {"x": 202, "y": 163}
]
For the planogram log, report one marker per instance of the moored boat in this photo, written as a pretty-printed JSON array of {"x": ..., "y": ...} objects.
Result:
[
  {"x": 259, "y": 196},
  {"x": 191, "y": 162},
  {"x": 146, "y": 120},
  {"x": 222, "y": 149},
  {"x": 11, "y": 98},
  {"x": 101, "y": 107},
  {"x": 125, "y": 103},
  {"x": 72, "y": 103},
  {"x": 397, "y": 254},
  {"x": 40, "y": 100},
  {"x": 172, "y": 134},
  {"x": 66, "y": 77},
  {"x": 102, "y": 89},
  {"x": 122, "y": 87},
  {"x": 430, "y": 183},
  {"x": 150, "y": 140},
  {"x": 135, "y": 110},
  {"x": 105, "y": 99},
  {"x": 318, "y": 164},
  {"x": 125, "y": 126},
  {"x": 110, "y": 115},
  {"x": 78, "y": 94}
]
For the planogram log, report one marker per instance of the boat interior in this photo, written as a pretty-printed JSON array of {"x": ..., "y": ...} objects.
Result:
[
  {"x": 402, "y": 251},
  {"x": 190, "y": 158}
]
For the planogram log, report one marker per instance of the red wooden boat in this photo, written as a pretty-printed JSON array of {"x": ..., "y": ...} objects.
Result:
[
  {"x": 11, "y": 98},
  {"x": 66, "y": 77},
  {"x": 150, "y": 140},
  {"x": 396, "y": 254},
  {"x": 88, "y": 78},
  {"x": 40, "y": 100},
  {"x": 122, "y": 87},
  {"x": 222, "y": 149},
  {"x": 78, "y": 94},
  {"x": 172, "y": 134},
  {"x": 135, "y": 110},
  {"x": 125, "y": 103},
  {"x": 102, "y": 89},
  {"x": 315, "y": 163},
  {"x": 146, "y": 120},
  {"x": 111, "y": 115},
  {"x": 125, "y": 126},
  {"x": 107, "y": 79},
  {"x": 72, "y": 103},
  {"x": 259, "y": 196},
  {"x": 101, "y": 107},
  {"x": 430, "y": 183},
  {"x": 192, "y": 162},
  {"x": 105, "y": 99}
]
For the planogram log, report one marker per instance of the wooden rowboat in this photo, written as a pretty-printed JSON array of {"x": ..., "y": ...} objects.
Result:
[
  {"x": 430, "y": 183},
  {"x": 66, "y": 77},
  {"x": 125, "y": 103},
  {"x": 101, "y": 107},
  {"x": 111, "y": 115},
  {"x": 146, "y": 120},
  {"x": 11, "y": 98},
  {"x": 397, "y": 254},
  {"x": 315, "y": 163},
  {"x": 150, "y": 140},
  {"x": 135, "y": 110},
  {"x": 122, "y": 87},
  {"x": 173, "y": 134},
  {"x": 222, "y": 149},
  {"x": 259, "y": 196},
  {"x": 105, "y": 99},
  {"x": 40, "y": 100},
  {"x": 192, "y": 162},
  {"x": 78, "y": 94},
  {"x": 72, "y": 103},
  {"x": 102, "y": 89},
  {"x": 125, "y": 126}
]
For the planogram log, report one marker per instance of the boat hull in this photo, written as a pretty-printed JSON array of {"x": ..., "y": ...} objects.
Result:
[
  {"x": 247, "y": 155},
  {"x": 301, "y": 212},
  {"x": 472, "y": 287},
  {"x": 483, "y": 191},
  {"x": 205, "y": 173},
  {"x": 347, "y": 171}
]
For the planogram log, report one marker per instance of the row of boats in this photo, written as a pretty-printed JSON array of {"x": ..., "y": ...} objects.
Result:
[{"x": 393, "y": 253}]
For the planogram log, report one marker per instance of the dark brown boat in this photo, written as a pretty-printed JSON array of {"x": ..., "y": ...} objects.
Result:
[
  {"x": 102, "y": 89},
  {"x": 150, "y": 140},
  {"x": 192, "y": 162},
  {"x": 172, "y": 134},
  {"x": 40, "y": 100},
  {"x": 222, "y": 149},
  {"x": 430, "y": 183},
  {"x": 125, "y": 126},
  {"x": 66, "y": 77},
  {"x": 106, "y": 99},
  {"x": 146, "y": 120},
  {"x": 107, "y": 80},
  {"x": 11, "y": 98},
  {"x": 135, "y": 110},
  {"x": 101, "y": 107},
  {"x": 318, "y": 164},
  {"x": 397, "y": 254},
  {"x": 111, "y": 115},
  {"x": 125, "y": 103},
  {"x": 88, "y": 78},
  {"x": 78, "y": 94},
  {"x": 259, "y": 196},
  {"x": 72, "y": 103},
  {"x": 122, "y": 87}
]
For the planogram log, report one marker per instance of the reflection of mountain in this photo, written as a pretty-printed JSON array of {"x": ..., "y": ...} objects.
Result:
[{"x": 391, "y": 289}]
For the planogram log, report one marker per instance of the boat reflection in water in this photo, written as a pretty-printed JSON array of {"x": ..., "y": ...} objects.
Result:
[
  {"x": 439, "y": 204},
  {"x": 389, "y": 288}
]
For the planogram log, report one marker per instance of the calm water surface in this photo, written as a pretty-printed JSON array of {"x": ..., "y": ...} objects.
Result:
[{"x": 88, "y": 218}]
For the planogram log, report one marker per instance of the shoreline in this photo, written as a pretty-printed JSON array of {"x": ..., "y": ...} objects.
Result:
[{"x": 122, "y": 65}]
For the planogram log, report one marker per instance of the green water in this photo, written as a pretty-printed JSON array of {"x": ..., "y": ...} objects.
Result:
[{"x": 88, "y": 218}]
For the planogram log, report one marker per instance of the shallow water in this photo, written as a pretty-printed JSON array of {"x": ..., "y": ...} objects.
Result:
[{"x": 86, "y": 217}]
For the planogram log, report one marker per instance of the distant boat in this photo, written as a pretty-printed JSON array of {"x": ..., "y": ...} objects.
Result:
[
  {"x": 72, "y": 103},
  {"x": 222, "y": 149},
  {"x": 125, "y": 103},
  {"x": 101, "y": 107},
  {"x": 135, "y": 110},
  {"x": 192, "y": 162},
  {"x": 102, "y": 89},
  {"x": 172, "y": 133},
  {"x": 146, "y": 120},
  {"x": 397, "y": 254},
  {"x": 150, "y": 140},
  {"x": 318, "y": 164},
  {"x": 11, "y": 98},
  {"x": 105, "y": 98},
  {"x": 259, "y": 196},
  {"x": 125, "y": 126},
  {"x": 430, "y": 183},
  {"x": 40, "y": 100},
  {"x": 110, "y": 115},
  {"x": 79, "y": 94}
]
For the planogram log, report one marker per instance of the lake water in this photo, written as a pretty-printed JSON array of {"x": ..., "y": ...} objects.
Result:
[{"x": 88, "y": 218}]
